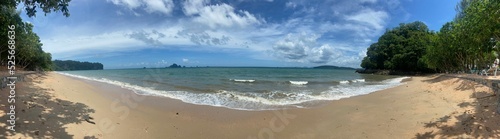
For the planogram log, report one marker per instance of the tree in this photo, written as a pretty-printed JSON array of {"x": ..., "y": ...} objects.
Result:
[
  {"x": 468, "y": 41},
  {"x": 29, "y": 54},
  {"x": 47, "y": 6},
  {"x": 401, "y": 48}
]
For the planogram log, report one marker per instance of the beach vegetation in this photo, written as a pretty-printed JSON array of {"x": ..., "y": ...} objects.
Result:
[
  {"x": 29, "y": 53},
  {"x": 470, "y": 42},
  {"x": 401, "y": 48}
]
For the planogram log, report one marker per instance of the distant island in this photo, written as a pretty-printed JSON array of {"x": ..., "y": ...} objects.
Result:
[
  {"x": 60, "y": 65},
  {"x": 333, "y": 67},
  {"x": 176, "y": 66}
]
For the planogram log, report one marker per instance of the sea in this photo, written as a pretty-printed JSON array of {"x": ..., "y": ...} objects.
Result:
[{"x": 251, "y": 89}]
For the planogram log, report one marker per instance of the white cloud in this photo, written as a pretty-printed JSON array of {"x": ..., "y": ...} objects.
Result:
[
  {"x": 295, "y": 47},
  {"x": 162, "y": 6},
  {"x": 191, "y": 7},
  {"x": 393, "y": 3},
  {"x": 150, "y": 6},
  {"x": 201, "y": 37},
  {"x": 78, "y": 45},
  {"x": 219, "y": 15},
  {"x": 319, "y": 32},
  {"x": 375, "y": 19},
  {"x": 304, "y": 48},
  {"x": 323, "y": 54},
  {"x": 357, "y": 31},
  {"x": 152, "y": 38},
  {"x": 132, "y": 4}
]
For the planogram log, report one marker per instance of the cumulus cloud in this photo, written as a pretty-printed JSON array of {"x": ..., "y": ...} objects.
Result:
[
  {"x": 323, "y": 54},
  {"x": 218, "y": 15},
  {"x": 150, "y": 38},
  {"x": 185, "y": 60},
  {"x": 202, "y": 37},
  {"x": 295, "y": 47},
  {"x": 304, "y": 48},
  {"x": 311, "y": 32},
  {"x": 150, "y": 6},
  {"x": 192, "y": 7}
]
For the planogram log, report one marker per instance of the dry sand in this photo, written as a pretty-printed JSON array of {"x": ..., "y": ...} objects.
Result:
[{"x": 57, "y": 106}]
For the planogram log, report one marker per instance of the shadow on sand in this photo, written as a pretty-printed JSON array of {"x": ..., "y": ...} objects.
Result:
[
  {"x": 39, "y": 114},
  {"x": 476, "y": 119}
]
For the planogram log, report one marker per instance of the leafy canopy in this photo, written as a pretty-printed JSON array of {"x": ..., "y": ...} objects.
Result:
[{"x": 401, "y": 48}]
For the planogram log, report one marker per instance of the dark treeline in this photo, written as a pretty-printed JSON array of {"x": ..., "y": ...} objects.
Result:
[
  {"x": 76, "y": 65},
  {"x": 400, "y": 49},
  {"x": 28, "y": 47},
  {"x": 468, "y": 42}
]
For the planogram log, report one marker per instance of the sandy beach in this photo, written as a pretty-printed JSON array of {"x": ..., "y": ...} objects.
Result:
[{"x": 51, "y": 105}]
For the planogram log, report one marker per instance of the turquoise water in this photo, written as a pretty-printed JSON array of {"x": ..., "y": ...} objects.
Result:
[{"x": 244, "y": 88}]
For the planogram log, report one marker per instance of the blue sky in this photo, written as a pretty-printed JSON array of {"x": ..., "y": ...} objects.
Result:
[{"x": 276, "y": 33}]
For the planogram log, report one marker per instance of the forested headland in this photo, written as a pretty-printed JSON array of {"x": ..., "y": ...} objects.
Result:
[
  {"x": 29, "y": 54},
  {"x": 60, "y": 65},
  {"x": 471, "y": 41}
]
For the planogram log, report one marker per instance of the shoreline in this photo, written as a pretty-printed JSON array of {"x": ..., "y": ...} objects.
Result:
[
  {"x": 77, "y": 108},
  {"x": 391, "y": 82}
]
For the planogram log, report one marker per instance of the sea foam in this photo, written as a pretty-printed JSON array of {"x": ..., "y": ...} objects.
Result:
[
  {"x": 244, "y": 81},
  {"x": 255, "y": 101},
  {"x": 298, "y": 82},
  {"x": 358, "y": 80},
  {"x": 344, "y": 82}
]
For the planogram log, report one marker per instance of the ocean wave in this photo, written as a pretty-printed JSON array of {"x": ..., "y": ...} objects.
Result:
[
  {"x": 344, "y": 82},
  {"x": 253, "y": 101},
  {"x": 244, "y": 81},
  {"x": 358, "y": 80},
  {"x": 298, "y": 82}
]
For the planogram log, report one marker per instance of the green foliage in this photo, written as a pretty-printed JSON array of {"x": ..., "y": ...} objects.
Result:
[
  {"x": 76, "y": 65},
  {"x": 470, "y": 41},
  {"x": 29, "y": 53},
  {"x": 467, "y": 42},
  {"x": 401, "y": 48},
  {"x": 47, "y": 6}
]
